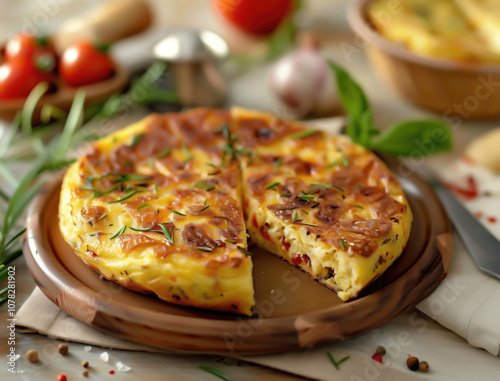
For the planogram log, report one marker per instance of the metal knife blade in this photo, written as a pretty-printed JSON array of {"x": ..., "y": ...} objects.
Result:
[{"x": 483, "y": 247}]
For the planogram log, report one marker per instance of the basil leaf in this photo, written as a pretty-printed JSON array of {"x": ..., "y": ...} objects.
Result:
[
  {"x": 415, "y": 138},
  {"x": 365, "y": 128},
  {"x": 354, "y": 101}
]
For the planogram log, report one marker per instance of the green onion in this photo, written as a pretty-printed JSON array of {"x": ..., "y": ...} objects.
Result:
[
  {"x": 244, "y": 251},
  {"x": 126, "y": 197},
  {"x": 136, "y": 140},
  {"x": 164, "y": 152},
  {"x": 177, "y": 212},
  {"x": 272, "y": 186},
  {"x": 204, "y": 185},
  {"x": 204, "y": 248},
  {"x": 278, "y": 163},
  {"x": 303, "y": 134},
  {"x": 215, "y": 372},
  {"x": 119, "y": 232},
  {"x": 335, "y": 363}
]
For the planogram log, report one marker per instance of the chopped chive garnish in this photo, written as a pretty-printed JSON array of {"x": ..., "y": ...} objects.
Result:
[
  {"x": 177, "y": 212},
  {"x": 345, "y": 161},
  {"x": 204, "y": 208},
  {"x": 334, "y": 163},
  {"x": 104, "y": 193},
  {"x": 127, "y": 177},
  {"x": 215, "y": 372},
  {"x": 119, "y": 232},
  {"x": 295, "y": 216},
  {"x": 164, "y": 152},
  {"x": 139, "y": 229},
  {"x": 342, "y": 243},
  {"x": 151, "y": 162},
  {"x": 230, "y": 241},
  {"x": 286, "y": 195},
  {"x": 136, "y": 139},
  {"x": 167, "y": 234},
  {"x": 205, "y": 202},
  {"x": 304, "y": 197},
  {"x": 204, "y": 185},
  {"x": 204, "y": 248},
  {"x": 320, "y": 185},
  {"x": 337, "y": 187},
  {"x": 272, "y": 186},
  {"x": 126, "y": 197},
  {"x": 103, "y": 216},
  {"x": 142, "y": 206},
  {"x": 304, "y": 224},
  {"x": 304, "y": 211},
  {"x": 278, "y": 163},
  {"x": 289, "y": 208},
  {"x": 303, "y": 134},
  {"x": 244, "y": 251},
  {"x": 225, "y": 131},
  {"x": 337, "y": 363}
]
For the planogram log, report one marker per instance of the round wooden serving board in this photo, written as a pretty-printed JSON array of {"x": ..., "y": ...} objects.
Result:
[{"x": 294, "y": 311}]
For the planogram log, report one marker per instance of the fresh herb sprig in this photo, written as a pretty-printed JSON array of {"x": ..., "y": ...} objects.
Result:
[
  {"x": 405, "y": 138},
  {"x": 337, "y": 363}
]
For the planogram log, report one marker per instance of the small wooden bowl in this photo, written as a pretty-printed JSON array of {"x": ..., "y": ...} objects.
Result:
[
  {"x": 451, "y": 88},
  {"x": 63, "y": 96}
]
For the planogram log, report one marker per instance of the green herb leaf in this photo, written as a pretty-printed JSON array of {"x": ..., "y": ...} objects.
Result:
[
  {"x": 103, "y": 216},
  {"x": 272, "y": 186},
  {"x": 295, "y": 216},
  {"x": 126, "y": 197},
  {"x": 338, "y": 188},
  {"x": 215, "y": 372},
  {"x": 119, "y": 232},
  {"x": 142, "y": 206},
  {"x": 286, "y": 195},
  {"x": 278, "y": 163},
  {"x": 178, "y": 213},
  {"x": 204, "y": 248},
  {"x": 164, "y": 152},
  {"x": 204, "y": 185},
  {"x": 303, "y": 134},
  {"x": 136, "y": 139},
  {"x": 415, "y": 138},
  {"x": 337, "y": 363},
  {"x": 167, "y": 234},
  {"x": 342, "y": 244},
  {"x": 244, "y": 251},
  {"x": 321, "y": 185}
]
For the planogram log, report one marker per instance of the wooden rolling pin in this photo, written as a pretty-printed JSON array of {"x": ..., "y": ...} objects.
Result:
[{"x": 108, "y": 23}]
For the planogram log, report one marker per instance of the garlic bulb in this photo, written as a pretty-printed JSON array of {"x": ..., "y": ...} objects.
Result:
[{"x": 304, "y": 83}]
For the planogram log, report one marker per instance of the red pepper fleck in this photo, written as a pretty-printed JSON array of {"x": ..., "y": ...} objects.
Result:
[
  {"x": 376, "y": 357},
  {"x": 254, "y": 221},
  {"x": 111, "y": 371},
  {"x": 470, "y": 192},
  {"x": 62, "y": 377},
  {"x": 492, "y": 220},
  {"x": 296, "y": 259},
  {"x": 285, "y": 244},
  {"x": 265, "y": 234}
]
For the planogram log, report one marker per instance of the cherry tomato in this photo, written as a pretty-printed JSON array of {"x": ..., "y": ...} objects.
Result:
[
  {"x": 257, "y": 17},
  {"x": 26, "y": 46},
  {"x": 83, "y": 63},
  {"x": 18, "y": 77}
]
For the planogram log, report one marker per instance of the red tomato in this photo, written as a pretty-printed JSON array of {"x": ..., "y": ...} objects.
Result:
[
  {"x": 258, "y": 17},
  {"x": 26, "y": 46},
  {"x": 18, "y": 78},
  {"x": 83, "y": 63}
]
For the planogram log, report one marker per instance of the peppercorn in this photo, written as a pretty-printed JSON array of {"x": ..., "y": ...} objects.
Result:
[
  {"x": 62, "y": 349},
  {"x": 32, "y": 355},
  {"x": 423, "y": 367},
  {"x": 380, "y": 351},
  {"x": 412, "y": 363},
  {"x": 85, "y": 373},
  {"x": 85, "y": 363}
]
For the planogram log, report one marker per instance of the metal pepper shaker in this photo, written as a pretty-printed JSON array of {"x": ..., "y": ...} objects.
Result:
[{"x": 193, "y": 58}]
